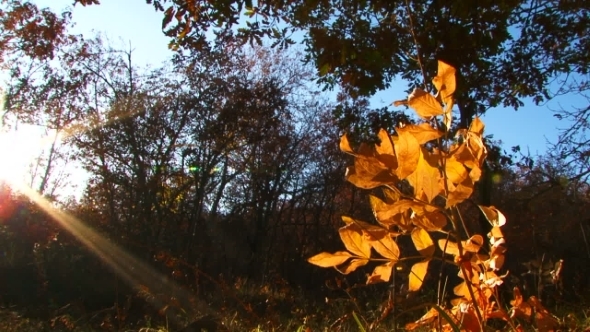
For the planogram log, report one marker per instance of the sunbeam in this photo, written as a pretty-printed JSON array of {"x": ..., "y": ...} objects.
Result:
[{"x": 130, "y": 269}]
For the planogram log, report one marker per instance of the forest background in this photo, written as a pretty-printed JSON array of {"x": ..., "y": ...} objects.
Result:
[{"x": 216, "y": 166}]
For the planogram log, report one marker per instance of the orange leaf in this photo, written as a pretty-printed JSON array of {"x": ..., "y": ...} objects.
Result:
[
  {"x": 423, "y": 132},
  {"x": 423, "y": 242},
  {"x": 448, "y": 247},
  {"x": 430, "y": 221},
  {"x": 425, "y": 104},
  {"x": 352, "y": 266},
  {"x": 386, "y": 247},
  {"x": 326, "y": 259},
  {"x": 425, "y": 179},
  {"x": 345, "y": 145},
  {"x": 382, "y": 273},
  {"x": 354, "y": 241},
  {"x": 417, "y": 274},
  {"x": 385, "y": 150},
  {"x": 493, "y": 215},
  {"x": 445, "y": 81},
  {"x": 407, "y": 151},
  {"x": 455, "y": 170}
]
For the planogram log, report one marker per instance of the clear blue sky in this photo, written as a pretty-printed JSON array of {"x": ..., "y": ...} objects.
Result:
[{"x": 134, "y": 21}]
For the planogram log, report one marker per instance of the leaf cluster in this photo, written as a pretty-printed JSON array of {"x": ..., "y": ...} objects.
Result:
[{"x": 440, "y": 176}]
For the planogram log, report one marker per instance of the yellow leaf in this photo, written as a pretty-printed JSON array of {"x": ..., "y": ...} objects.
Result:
[
  {"x": 430, "y": 221},
  {"x": 417, "y": 274},
  {"x": 386, "y": 211},
  {"x": 455, "y": 170},
  {"x": 354, "y": 241},
  {"x": 407, "y": 151},
  {"x": 386, "y": 247},
  {"x": 368, "y": 174},
  {"x": 382, "y": 273},
  {"x": 423, "y": 132},
  {"x": 423, "y": 242},
  {"x": 445, "y": 81},
  {"x": 425, "y": 179},
  {"x": 462, "y": 192},
  {"x": 448, "y": 116},
  {"x": 493, "y": 215},
  {"x": 385, "y": 150},
  {"x": 477, "y": 126},
  {"x": 345, "y": 145},
  {"x": 352, "y": 266},
  {"x": 326, "y": 259},
  {"x": 448, "y": 247},
  {"x": 473, "y": 244},
  {"x": 390, "y": 214},
  {"x": 425, "y": 104}
]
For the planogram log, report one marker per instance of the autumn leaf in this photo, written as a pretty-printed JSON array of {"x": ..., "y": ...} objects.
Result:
[
  {"x": 425, "y": 104},
  {"x": 385, "y": 150},
  {"x": 407, "y": 150},
  {"x": 368, "y": 174},
  {"x": 425, "y": 179},
  {"x": 382, "y": 273},
  {"x": 477, "y": 126},
  {"x": 455, "y": 170},
  {"x": 423, "y": 132},
  {"x": 493, "y": 215},
  {"x": 462, "y": 192},
  {"x": 352, "y": 266},
  {"x": 445, "y": 81},
  {"x": 430, "y": 221},
  {"x": 386, "y": 247},
  {"x": 423, "y": 242},
  {"x": 354, "y": 241},
  {"x": 473, "y": 244},
  {"x": 326, "y": 259},
  {"x": 345, "y": 145},
  {"x": 448, "y": 247},
  {"x": 417, "y": 274}
]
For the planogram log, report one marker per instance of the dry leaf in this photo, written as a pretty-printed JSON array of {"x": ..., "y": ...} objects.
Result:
[
  {"x": 423, "y": 242},
  {"x": 425, "y": 104},
  {"x": 417, "y": 274},
  {"x": 382, "y": 273},
  {"x": 326, "y": 259},
  {"x": 352, "y": 266},
  {"x": 408, "y": 150},
  {"x": 354, "y": 241},
  {"x": 425, "y": 179}
]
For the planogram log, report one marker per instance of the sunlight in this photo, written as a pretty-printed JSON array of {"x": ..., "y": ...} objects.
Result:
[
  {"x": 133, "y": 271},
  {"x": 18, "y": 149}
]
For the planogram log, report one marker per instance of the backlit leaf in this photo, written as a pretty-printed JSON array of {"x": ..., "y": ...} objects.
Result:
[
  {"x": 382, "y": 273},
  {"x": 425, "y": 104},
  {"x": 385, "y": 150},
  {"x": 445, "y": 81},
  {"x": 493, "y": 215},
  {"x": 425, "y": 179},
  {"x": 448, "y": 247},
  {"x": 326, "y": 259},
  {"x": 345, "y": 145},
  {"x": 423, "y": 132},
  {"x": 423, "y": 242},
  {"x": 354, "y": 241},
  {"x": 430, "y": 221},
  {"x": 386, "y": 247},
  {"x": 455, "y": 170},
  {"x": 407, "y": 150},
  {"x": 352, "y": 265},
  {"x": 417, "y": 274}
]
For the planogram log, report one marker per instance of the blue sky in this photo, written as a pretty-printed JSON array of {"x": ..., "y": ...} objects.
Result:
[{"x": 135, "y": 22}]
